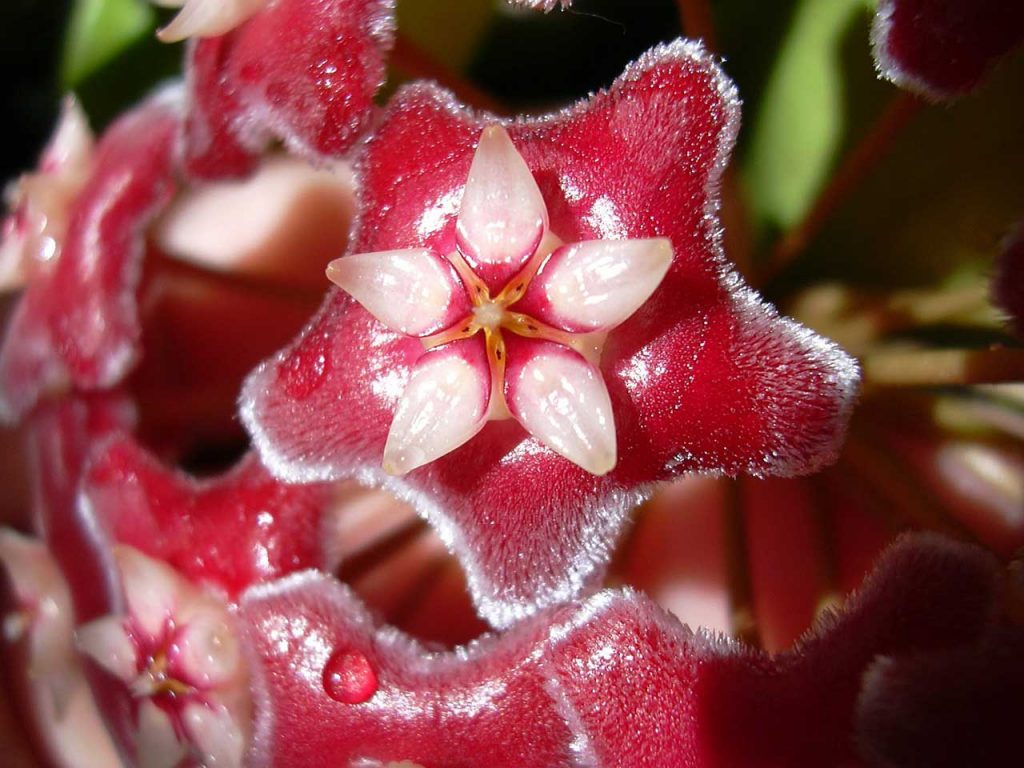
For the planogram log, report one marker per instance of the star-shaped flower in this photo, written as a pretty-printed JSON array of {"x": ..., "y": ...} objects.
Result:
[
  {"x": 704, "y": 376},
  {"x": 176, "y": 649},
  {"x": 509, "y": 273}
]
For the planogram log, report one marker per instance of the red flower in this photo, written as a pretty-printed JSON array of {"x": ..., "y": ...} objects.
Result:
[
  {"x": 704, "y": 376},
  {"x": 942, "y": 49}
]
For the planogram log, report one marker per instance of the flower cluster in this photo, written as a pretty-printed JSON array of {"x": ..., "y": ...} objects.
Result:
[{"x": 533, "y": 329}]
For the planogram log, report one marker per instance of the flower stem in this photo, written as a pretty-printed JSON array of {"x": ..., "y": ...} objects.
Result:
[
  {"x": 696, "y": 21},
  {"x": 943, "y": 367},
  {"x": 856, "y": 166},
  {"x": 411, "y": 60}
]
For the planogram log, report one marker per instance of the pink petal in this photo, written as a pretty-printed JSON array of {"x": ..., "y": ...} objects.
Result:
[
  {"x": 942, "y": 49},
  {"x": 716, "y": 382},
  {"x": 646, "y": 691},
  {"x": 412, "y": 291},
  {"x": 78, "y": 324},
  {"x": 490, "y": 696},
  {"x": 502, "y": 216},
  {"x": 231, "y": 531},
  {"x": 561, "y": 400},
  {"x": 444, "y": 404},
  {"x": 208, "y": 18},
  {"x": 596, "y": 285},
  {"x": 303, "y": 71}
]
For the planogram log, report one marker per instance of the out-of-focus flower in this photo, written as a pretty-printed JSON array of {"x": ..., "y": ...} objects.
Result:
[
  {"x": 942, "y": 49},
  {"x": 717, "y": 382},
  {"x": 34, "y": 232},
  {"x": 1008, "y": 282}
]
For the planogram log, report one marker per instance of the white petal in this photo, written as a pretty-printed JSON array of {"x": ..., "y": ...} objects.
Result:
[
  {"x": 503, "y": 217},
  {"x": 562, "y": 401},
  {"x": 70, "y": 148},
  {"x": 107, "y": 643},
  {"x": 151, "y": 589},
  {"x": 597, "y": 284},
  {"x": 209, "y": 648},
  {"x": 443, "y": 405},
  {"x": 208, "y": 18},
  {"x": 156, "y": 745},
  {"x": 216, "y": 735},
  {"x": 410, "y": 291}
]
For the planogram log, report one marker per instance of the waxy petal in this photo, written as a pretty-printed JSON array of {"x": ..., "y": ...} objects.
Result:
[
  {"x": 311, "y": 637},
  {"x": 703, "y": 377},
  {"x": 107, "y": 643},
  {"x": 208, "y": 18},
  {"x": 412, "y": 291},
  {"x": 444, "y": 404},
  {"x": 597, "y": 284},
  {"x": 942, "y": 49},
  {"x": 303, "y": 71},
  {"x": 502, "y": 216},
  {"x": 216, "y": 735},
  {"x": 151, "y": 591},
  {"x": 78, "y": 324},
  {"x": 156, "y": 744},
  {"x": 542, "y": 5},
  {"x": 562, "y": 401}
]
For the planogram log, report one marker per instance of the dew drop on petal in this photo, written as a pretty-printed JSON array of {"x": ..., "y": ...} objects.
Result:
[{"x": 349, "y": 677}]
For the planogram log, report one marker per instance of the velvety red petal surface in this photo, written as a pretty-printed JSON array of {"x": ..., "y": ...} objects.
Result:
[
  {"x": 303, "y": 71},
  {"x": 704, "y": 376},
  {"x": 944, "y": 48},
  {"x": 390, "y": 699},
  {"x": 646, "y": 691},
  {"x": 946, "y": 708},
  {"x": 230, "y": 532},
  {"x": 77, "y": 324}
]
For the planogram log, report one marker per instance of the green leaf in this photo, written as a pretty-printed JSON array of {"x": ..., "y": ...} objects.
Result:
[
  {"x": 98, "y": 32},
  {"x": 799, "y": 128}
]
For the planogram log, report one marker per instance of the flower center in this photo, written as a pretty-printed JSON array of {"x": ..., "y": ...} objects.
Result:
[{"x": 489, "y": 315}]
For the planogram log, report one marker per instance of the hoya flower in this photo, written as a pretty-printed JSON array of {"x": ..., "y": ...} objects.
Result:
[
  {"x": 610, "y": 681},
  {"x": 34, "y": 231},
  {"x": 300, "y": 71},
  {"x": 942, "y": 49},
  {"x": 507, "y": 279},
  {"x": 176, "y": 651},
  {"x": 63, "y": 712},
  {"x": 703, "y": 376}
]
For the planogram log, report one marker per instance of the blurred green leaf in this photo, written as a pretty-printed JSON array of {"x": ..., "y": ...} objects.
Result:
[
  {"x": 799, "y": 127},
  {"x": 98, "y": 32}
]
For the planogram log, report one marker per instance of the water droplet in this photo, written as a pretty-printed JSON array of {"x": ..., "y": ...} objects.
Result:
[{"x": 349, "y": 677}]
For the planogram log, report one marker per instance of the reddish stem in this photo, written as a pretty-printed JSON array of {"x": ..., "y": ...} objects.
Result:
[
  {"x": 696, "y": 21},
  {"x": 856, "y": 166},
  {"x": 413, "y": 61}
]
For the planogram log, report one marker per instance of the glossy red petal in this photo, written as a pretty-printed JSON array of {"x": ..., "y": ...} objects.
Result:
[
  {"x": 303, "y": 71},
  {"x": 332, "y": 688},
  {"x": 942, "y": 49},
  {"x": 646, "y": 691},
  {"x": 77, "y": 324},
  {"x": 229, "y": 532},
  {"x": 703, "y": 377}
]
